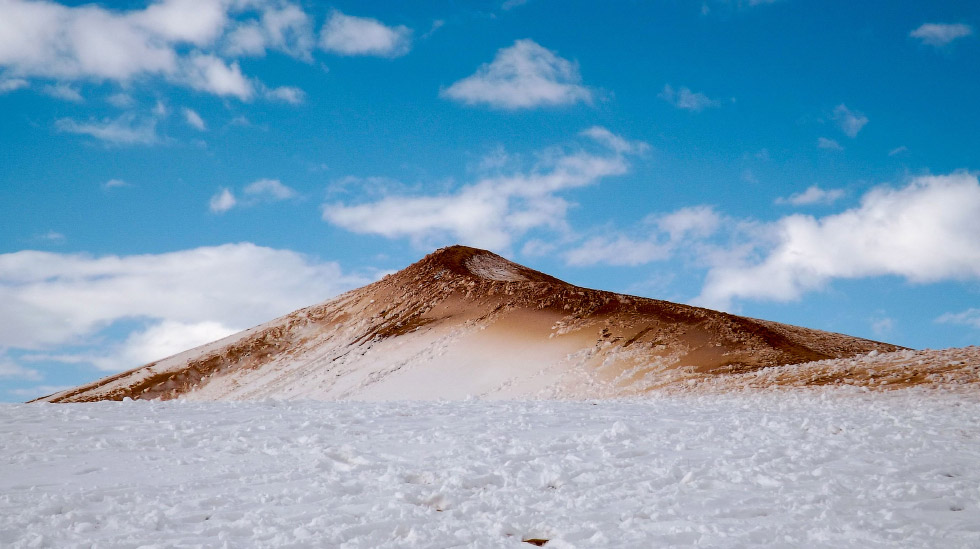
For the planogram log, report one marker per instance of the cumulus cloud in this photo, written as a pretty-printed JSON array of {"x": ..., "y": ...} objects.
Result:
[
  {"x": 181, "y": 298},
  {"x": 927, "y": 231},
  {"x": 213, "y": 75},
  {"x": 657, "y": 239},
  {"x": 687, "y": 100},
  {"x": 348, "y": 35},
  {"x": 285, "y": 28},
  {"x": 812, "y": 195},
  {"x": 286, "y": 94},
  {"x": 829, "y": 144},
  {"x": 494, "y": 210},
  {"x": 525, "y": 75},
  {"x": 194, "y": 120},
  {"x": 262, "y": 190},
  {"x": 850, "y": 122},
  {"x": 941, "y": 34},
  {"x": 177, "y": 40},
  {"x": 126, "y": 129},
  {"x": 222, "y": 201},
  {"x": 159, "y": 340},
  {"x": 269, "y": 189}
]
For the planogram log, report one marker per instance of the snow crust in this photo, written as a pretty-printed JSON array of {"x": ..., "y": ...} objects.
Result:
[
  {"x": 817, "y": 468},
  {"x": 493, "y": 267}
]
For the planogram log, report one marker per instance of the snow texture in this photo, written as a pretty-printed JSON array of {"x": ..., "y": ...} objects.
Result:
[{"x": 816, "y": 468}]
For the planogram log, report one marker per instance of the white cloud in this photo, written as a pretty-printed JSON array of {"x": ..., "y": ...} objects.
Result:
[
  {"x": 898, "y": 150},
  {"x": 115, "y": 183},
  {"x": 285, "y": 28},
  {"x": 183, "y": 298},
  {"x": 211, "y": 74},
  {"x": 522, "y": 76},
  {"x": 686, "y": 99},
  {"x": 11, "y": 84},
  {"x": 38, "y": 391},
  {"x": 511, "y": 4},
  {"x": 882, "y": 326},
  {"x": 194, "y": 120},
  {"x": 179, "y": 41},
  {"x": 286, "y": 94},
  {"x": 349, "y": 35},
  {"x": 262, "y": 190},
  {"x": 158, "y": 341},
  {"x": 52, "y": 237},
  {"x": 11, "y": 370},
  {"x": 850, "y": 122},
  {"x": 829, "y": 144},
  {"x": 618, "y": 250},
  {"x": 924, "y": 232},
  {"x": 269, "y": 189},
  {"x": 121, "y": 100},
  {"x": 492, "y": 211},
  {"x": 658, "y": 238},
  {"x": 222, "y": 201},
  {"x": 813, "y": 195},
  {"x": 123, "y": 130},
  {"x": 63, "y": 91},
  {"x": 969, "y": 317},
  {"x": 941, "y": 34}
]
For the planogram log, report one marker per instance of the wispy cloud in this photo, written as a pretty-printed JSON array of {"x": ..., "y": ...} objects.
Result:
[
  {"x": 270, "y": 189},
  {"x": 286, "y": 94},
  {"x": 523, "y": 76},
  {"x": 492, "y": 211},
  {"x": 64, "y": 92},
  {"x": 222, "y": 201},
  {"x": 829, "y": 144},
  {"x": 11, "y": 370},
  {"x": 12, "y": 84},
  {"x": 969, "y": 317},
  {"x": 262, "y": 190},
  {"x": 194, "y": 120},
  {"x": 812, "y": 195},
  {"x": 348, "y": 35},
  {"x": 115, "y": 183},
  {"x": 123, "y": 130},
  {"x": 656, "y": 239},
  {"x": 850, "y": 122},
  {"x": 941, "y": 34},
  {"x": 687, "y": 100}
]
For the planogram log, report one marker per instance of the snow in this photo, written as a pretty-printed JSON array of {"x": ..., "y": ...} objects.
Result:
[
  {"x": 815, "y": 468},
  {"x": 494, "y": 267}
]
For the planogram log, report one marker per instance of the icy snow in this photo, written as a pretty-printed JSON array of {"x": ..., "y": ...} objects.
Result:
[{"x": 815, "y": 468}]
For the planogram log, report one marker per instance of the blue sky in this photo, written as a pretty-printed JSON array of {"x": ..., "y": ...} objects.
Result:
[{"x": 176, "y": 171}]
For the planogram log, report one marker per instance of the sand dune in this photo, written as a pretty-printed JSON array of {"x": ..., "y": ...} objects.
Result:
[{"x": 466, "y": 322}]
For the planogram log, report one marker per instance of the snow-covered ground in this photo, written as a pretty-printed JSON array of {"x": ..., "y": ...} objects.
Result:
[{"x": 815, "y": 468}]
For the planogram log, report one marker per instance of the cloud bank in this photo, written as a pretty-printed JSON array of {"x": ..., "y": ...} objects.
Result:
[
  {"x": 927, "y": 231},
  {"x": 181, "y": 298}
]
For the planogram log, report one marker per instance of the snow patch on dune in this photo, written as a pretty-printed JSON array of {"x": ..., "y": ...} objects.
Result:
[{"x": 492, "y": 267}]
